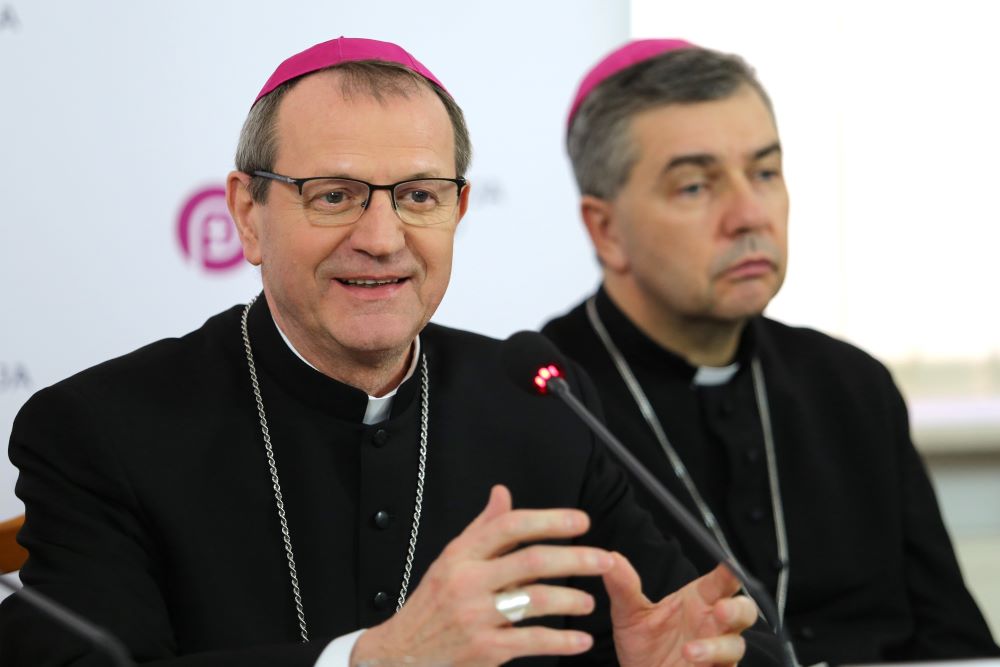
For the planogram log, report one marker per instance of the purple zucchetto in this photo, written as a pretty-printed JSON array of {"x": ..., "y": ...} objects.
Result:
[
  {"x": 633, "y": 52},
  {"x": 341, "y": 50}
]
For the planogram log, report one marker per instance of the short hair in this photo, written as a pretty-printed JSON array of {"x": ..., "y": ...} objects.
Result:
[
  {"x": 257, "y": 149},
  {"x": 599, "y": 140}
]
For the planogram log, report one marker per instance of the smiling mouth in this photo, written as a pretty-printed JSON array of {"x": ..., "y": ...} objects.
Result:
[{"x": 369, "y": 283}]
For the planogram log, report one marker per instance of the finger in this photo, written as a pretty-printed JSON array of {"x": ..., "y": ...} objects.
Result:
[
  {"x": 498, "y": 503},
  {"x": 736, "y": 614},
  {"x": 725, "y": 649},
  {"x": 505, "y": 531},
  {"x": 539, "y": 640},
  {"x": 624, "y": 589},
  {"x": 717, "y": 584},
  {"x": 549, "y": 600},
  {"x": 546, "y": 562}
]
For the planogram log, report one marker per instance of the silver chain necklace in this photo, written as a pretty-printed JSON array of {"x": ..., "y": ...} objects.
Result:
[
  {"x": 276, "y": 484},
  {"x": 681, "y": 471}
]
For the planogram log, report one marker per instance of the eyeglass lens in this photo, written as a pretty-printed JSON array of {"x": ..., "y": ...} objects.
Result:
[{"x": 340, "y": 201}]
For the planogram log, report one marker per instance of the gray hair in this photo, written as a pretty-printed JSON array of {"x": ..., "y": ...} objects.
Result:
[
  {"x": 258, "y": 145},
  {"x": 599, "y": 141}
]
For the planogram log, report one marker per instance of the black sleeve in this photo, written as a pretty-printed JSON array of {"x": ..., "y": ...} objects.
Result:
[
  {"x": 91, "y": 548},
  {"x": 947, "y": 622}
]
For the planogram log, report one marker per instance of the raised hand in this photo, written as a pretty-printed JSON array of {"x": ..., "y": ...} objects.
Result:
[
  {"x": 698, "y": 624},
  {"x": 452, "y": 617}
]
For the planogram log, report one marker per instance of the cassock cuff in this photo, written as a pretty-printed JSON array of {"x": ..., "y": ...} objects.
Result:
[{"x": 338, "y": 652}]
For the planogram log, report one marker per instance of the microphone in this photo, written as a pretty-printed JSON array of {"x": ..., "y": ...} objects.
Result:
[
  {"x": 100, "y": 638},
  {"x": 535, "y": 365}
]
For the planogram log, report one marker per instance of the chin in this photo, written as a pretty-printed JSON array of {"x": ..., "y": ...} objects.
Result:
[
  {"x": 749, "y": 303},
  {"x": 737, "y": 313},
  {"x": 372, "y": 337}
]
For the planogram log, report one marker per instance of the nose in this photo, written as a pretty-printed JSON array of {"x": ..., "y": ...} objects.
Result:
[
  {"x": 378, "y": 232},
  {"x": 746, "y": 210}
]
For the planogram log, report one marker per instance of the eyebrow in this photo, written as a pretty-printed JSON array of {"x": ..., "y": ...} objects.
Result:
[
  {"x": 767, "y": 150},
  {"x": 418, "y": 176},
  {"x": 707, "y": 159}
]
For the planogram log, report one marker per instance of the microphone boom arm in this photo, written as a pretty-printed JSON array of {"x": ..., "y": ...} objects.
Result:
[
  {"x": 756, "y": 591},
  {"x": 99, "y": 637}
]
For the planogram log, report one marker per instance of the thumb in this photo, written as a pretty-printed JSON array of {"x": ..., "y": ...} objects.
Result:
[{"x": 717, "y": 584}]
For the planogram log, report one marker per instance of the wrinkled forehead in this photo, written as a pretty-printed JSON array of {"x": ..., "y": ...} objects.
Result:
[
  {"x": 342, "y": 92},
  {"x": 736, "y": 128},
  {"x": 322, "y": 122}
]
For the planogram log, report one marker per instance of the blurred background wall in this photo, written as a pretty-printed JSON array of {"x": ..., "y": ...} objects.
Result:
[{"x": 118, "y": 122}]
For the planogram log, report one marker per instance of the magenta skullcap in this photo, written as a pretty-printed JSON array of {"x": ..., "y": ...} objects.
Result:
[
  {"x": 342, "y": 50},
  {"x": 633, "y": 52}
]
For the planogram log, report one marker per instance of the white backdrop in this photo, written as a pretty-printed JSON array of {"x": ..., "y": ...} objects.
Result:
[{"x": 115, "y": 115}]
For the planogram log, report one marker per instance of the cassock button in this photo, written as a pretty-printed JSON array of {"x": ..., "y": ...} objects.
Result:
[
  {"x": 382, "y": 519},
  {"x": 380, "y": 438},
  {"x": 728, "y": 406},
  {"x": 752, "y": 455},
  {"x": 756, "y": 514},
  {"x": 777, "y": 564},
  {"x": 806, "y": 632},
  {"x": 381, "y": 601}
]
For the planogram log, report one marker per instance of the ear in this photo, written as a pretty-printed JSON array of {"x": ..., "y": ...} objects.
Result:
[
  {"x": 603, "y": 226},
  {"x": 245, "y": 213},
  {"x": 463, "y": 202}
]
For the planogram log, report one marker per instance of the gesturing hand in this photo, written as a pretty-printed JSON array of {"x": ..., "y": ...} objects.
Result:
[
  {"x": 451, "y": 617},
  {"x": 700, "y": 623}
]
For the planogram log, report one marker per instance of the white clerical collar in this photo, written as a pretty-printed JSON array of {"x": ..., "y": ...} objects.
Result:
[
  {"x": 378, "y": 406},
  {"x": 710, "y": 376}
]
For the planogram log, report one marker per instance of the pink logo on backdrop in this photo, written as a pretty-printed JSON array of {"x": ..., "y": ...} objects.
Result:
[{"x": 207, "y": 233}]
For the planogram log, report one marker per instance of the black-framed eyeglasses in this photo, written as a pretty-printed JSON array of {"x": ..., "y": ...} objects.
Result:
[{"x": 341, "y": 201}]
